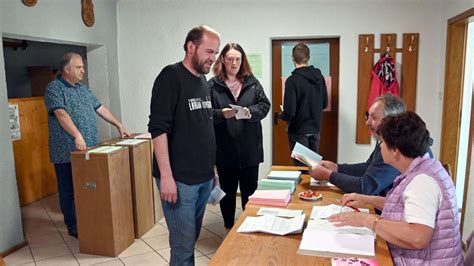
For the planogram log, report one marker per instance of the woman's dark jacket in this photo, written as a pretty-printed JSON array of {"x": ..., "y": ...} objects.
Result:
[{"x": 239, "y": 142}]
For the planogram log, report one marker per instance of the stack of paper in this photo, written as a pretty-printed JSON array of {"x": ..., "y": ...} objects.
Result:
[
  {"x": 305, "y": 155},
  {"x": 271, "y": 197},
  {"x": 322, "y": 238},
  {"x": 294, "y": 176},
  {"x": 272, "y": 225},
  {"x": 323, "y": 212},
  {"x": 279, "y": 212},
  {"x": 269, "y": 184}
]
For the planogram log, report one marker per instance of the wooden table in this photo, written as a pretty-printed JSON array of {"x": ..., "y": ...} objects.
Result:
[{"x": 266, "y": 249}]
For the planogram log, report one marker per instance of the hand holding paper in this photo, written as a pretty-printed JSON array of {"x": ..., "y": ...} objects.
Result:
[
  {"x": 242, "y": 112},
  {"x": 305, "y": 155}
]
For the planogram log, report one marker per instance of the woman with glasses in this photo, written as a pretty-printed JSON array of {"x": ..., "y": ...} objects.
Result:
[
  {"x": 419, "y": 218},
  {"x": 238, "y": 129}
]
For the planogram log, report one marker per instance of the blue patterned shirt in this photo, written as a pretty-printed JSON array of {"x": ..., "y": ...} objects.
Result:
[{"x": 81, "y": 105}]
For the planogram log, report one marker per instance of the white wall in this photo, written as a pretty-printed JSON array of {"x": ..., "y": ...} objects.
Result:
[
  {"x": 61, "y": 22},
  {"x": 11, "y": 232},
  {"x": 54, "y": 21},
  {"x": 151, "y": 35}
]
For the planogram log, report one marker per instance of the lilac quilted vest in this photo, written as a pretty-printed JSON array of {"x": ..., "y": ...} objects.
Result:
[{"x": 445, "y": 245}]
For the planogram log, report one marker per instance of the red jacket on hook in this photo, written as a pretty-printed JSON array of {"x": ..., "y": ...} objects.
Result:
[{"x": 384, "y": 79}]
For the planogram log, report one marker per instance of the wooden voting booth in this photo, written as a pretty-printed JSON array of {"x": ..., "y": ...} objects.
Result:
[
  {"x": 103, "y": 199},
  {"x": 141, "y": 181}
]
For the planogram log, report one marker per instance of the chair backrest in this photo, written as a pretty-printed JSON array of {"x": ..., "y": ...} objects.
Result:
[{"x": 469, "y": 259}]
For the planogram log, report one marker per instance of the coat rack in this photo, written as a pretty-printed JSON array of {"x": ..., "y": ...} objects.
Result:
[{"x": 409, "y": 68}]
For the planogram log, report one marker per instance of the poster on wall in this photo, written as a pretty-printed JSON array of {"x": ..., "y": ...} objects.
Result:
[{"x": 14, "y": 115}]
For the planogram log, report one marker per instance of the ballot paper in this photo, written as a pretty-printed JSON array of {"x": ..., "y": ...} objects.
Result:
[
  {"x": 323, "y": 212},
  {"x": 241, "y": 113},
  {"x": 325, "y": 225},
  {"x": 305, "y": 155},
  {"x": 320, "y": 183},
  {"x": 216, "y": 195},
  {"x": 272, "y": 225},
  {"x": 279, "y": 212},
  {"x": 130, "y": 142}
]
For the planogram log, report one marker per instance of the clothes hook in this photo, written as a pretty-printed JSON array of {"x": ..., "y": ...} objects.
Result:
[
  {"x": 410, "y": 48},
  {"x": 366, "y": 49}
]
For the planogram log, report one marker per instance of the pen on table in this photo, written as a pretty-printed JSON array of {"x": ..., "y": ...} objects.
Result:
[{"x": 354, "y": 208}]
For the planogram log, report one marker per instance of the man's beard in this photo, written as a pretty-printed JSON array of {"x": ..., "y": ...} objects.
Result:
[{"x": 199, "y": 66}]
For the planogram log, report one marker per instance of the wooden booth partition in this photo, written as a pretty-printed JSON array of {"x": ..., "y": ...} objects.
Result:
[
  {"x": 34, "y": 171},
  {"x": 103, "y": 197},
  {"x": 141, "y": 181}
]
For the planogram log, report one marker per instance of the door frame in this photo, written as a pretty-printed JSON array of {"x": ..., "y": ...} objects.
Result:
[
  {"x": 334, "y": 51},
  {"x": 456, "y": 44}
]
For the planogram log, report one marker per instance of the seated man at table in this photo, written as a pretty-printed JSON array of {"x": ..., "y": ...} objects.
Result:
[{"x": 374, "y": 177}]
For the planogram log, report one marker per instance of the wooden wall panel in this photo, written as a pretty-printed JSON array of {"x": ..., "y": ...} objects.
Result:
[
  {"x": 453, "y": 83},
  {"x": 34, "y": 171},
  {"x": 366, "y": 62},
  {"x": 388, "y": 44},
  {"x": 409, "y": 69}
]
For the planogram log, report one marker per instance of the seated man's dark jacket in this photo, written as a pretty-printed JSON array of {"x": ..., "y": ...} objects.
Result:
[{"x": 374, "y": 177}]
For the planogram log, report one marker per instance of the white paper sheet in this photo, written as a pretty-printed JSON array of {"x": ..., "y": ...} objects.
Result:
[
  {"x": 241, "y": 113},
  {"x": 279, "y": 212},
  {"x": 216, "y": 195},
  {"x": 272, "y": 225}
]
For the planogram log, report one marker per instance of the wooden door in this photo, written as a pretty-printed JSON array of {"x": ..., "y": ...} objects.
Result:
[
  {"x": 34, "y": 172},
  {"x": 330, "y": 70}
]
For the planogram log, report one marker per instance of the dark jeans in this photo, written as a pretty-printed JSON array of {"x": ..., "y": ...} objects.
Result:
[
  {"x": 229, "y": 179},
  {"x": 66, "y": 195},
  {"x": 311, "y": 141}
]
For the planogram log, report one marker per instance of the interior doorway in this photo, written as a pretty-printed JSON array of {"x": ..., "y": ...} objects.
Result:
[
  {"x": 29, "y": 67},
  {"x": 458, "y": 119},
  {"x": 324, "y": 53}
]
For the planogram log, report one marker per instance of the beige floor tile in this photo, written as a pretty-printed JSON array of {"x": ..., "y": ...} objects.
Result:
[
  {"x": 67, "y": 260},
  {"x": 65, "y": 235},
  {"x": 211, "y": 218},
  {"x": 73, "y": 246},
  {"x": 33, "y": 210},
  {"x": 113, "y": 262},
  {"x": 150, "y": 258},
  {"x": 158, "y": 242},
  {"x": 165, "y": 253},
  {"x": 38, "y": 226},
  {"x": 44, "y": 240},
  {"x": 163, "y": 222},
  {"x": 138, "y": 247},
  {"x": 50, "y": 251},
  {"x": 51, "y": 204},
  {"x": 28, "y": 264},
  {"x": 86, "y": 259},
  {"x": 217, "y": 229},
  {"x": 216, "y": 209},
  {"x": 20, "y": 257},
  {"x": 210, "y": 255},
  {"x": 205, "y": 234},
  {"x": 208, "y": 245},
  {"x": 202, "y": 261},
  {"x": 157, "y": 230}
]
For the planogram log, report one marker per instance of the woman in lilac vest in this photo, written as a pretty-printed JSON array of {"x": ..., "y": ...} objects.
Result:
[{"x": 419, "y": 214}]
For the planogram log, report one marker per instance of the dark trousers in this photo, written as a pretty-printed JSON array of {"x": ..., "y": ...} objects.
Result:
[
  {"x": 229, "y": 179},
  {"x": 66, "y": 195},
  {"x": 311, "y": 141}
]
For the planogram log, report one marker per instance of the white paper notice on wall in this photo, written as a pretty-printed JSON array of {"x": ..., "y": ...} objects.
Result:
[{"x": 14, "y": 115}]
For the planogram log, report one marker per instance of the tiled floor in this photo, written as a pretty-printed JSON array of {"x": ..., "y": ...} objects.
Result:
[{"x": 49, "y": 243}]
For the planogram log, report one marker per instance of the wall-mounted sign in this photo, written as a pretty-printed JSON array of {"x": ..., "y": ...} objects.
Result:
[{"x": 14, "y": 115}]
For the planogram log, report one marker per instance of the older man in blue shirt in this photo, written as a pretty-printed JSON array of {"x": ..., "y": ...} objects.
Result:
[{"x": 72, "y": 124}]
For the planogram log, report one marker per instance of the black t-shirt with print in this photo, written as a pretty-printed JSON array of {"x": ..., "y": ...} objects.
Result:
[{"x": 181, "y": 108}]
